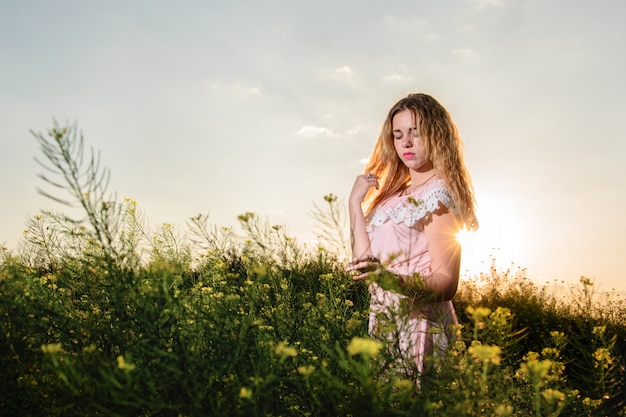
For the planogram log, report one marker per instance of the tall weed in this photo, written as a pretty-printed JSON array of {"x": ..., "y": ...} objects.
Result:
[{"x": 101, "y": 316}]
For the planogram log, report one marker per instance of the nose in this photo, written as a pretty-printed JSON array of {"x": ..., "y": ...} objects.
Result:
[{"x": 407, "y": 141}]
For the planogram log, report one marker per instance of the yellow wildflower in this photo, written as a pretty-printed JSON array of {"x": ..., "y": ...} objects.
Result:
[
  {"x": 591, "y": 403},
  {"x": 404, "y": 384},
  {"x": 364, "y": 346},
  {"x": 599, "y": 330},
  {"x": 602, "y": 355},
  {"x": 500, "y": 316},
  {"x": 123, "y": 365},
  {"x": 504, "y": 410},
  {"x": 260, "y": 270},
  {"x": 550, "y": 353},
  {"x": 245, "y": 393},
  {"x": 536, "y": 368},
  {"x": 478, "y": 313},
  {"x": 486, "y": 353},
  {"x": 553, "y": 395},
  {"x": 52, "y": 348},
  {"x": 284, "y": 350},
  {"x": 306, "y": 370},
  {"x": 89, "y": 349}
]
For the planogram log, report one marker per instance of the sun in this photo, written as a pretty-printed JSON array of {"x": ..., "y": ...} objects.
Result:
[{"x": 500, "y": 237}]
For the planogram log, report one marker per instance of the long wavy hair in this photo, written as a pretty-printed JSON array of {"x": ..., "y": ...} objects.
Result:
[{"x": 442, "y": 146}]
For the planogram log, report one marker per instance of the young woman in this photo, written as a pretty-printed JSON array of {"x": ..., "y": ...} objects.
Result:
[{"x": 405, "y": 213}]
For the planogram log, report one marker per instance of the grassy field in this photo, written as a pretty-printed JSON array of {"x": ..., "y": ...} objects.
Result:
[{"x": 103, "y": 317}]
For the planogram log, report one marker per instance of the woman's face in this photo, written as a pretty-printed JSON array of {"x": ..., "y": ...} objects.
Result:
[{"x": 407, "y": 141}]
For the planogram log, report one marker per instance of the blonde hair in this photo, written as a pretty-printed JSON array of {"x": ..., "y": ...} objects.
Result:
[{"x": 442, "y": 146}]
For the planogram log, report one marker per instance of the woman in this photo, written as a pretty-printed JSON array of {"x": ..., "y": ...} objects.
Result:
[{"x": 405, "y": 213}]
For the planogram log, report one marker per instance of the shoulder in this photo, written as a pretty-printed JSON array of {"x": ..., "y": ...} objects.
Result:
[
  {"x": 434, "y": 195},
  {"x": 408, "y": 210}
]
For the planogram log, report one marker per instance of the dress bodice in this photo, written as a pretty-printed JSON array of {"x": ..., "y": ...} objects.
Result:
[{"x": 396, "y": 228}]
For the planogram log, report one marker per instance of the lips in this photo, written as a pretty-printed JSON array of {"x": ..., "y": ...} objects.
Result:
[{"x": 408, "y": 155}]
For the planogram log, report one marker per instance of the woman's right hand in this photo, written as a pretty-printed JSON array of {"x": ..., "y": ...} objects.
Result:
[
  {"x": 361, "y": 185},
  {"x": 363, "y": 268},
  {"x": 363, "y": 263}
]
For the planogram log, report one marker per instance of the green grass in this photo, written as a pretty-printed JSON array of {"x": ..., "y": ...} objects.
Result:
[
  {"x": 263, "y": 327},
  {"x": 106, "y": 318}
]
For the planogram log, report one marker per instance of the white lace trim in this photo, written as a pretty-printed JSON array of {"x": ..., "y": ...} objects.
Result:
[{"x": 410, "y": 210}]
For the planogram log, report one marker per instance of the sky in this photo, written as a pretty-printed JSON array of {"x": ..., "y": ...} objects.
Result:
[{"x": 227, "y": 107}]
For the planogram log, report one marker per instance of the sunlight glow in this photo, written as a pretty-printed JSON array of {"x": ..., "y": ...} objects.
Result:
[{"x": 499, "y": 237}]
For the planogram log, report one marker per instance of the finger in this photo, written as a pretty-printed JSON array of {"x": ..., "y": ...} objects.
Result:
[
  {"x": 358, "y": 267},
  {"x": 361, "y": 277},
  {"x": 369, "y": 258}
]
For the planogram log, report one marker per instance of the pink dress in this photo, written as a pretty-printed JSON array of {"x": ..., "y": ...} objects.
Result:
[{"x": 397, "y": 239}]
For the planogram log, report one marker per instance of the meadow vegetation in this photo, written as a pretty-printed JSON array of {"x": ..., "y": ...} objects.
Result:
[{"x": 101, "y": 316}]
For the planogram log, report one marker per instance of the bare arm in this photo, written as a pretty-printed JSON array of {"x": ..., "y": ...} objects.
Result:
[
  {"x": 359, "y": 238},
  {"x": 445, "y": 250},
  {"x": 445, "y": 254}
]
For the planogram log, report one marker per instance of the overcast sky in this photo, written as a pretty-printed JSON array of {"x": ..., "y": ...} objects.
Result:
[{"x": 224, "y": 107}]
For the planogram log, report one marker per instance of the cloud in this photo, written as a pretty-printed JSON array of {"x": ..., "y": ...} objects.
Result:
[
  {"x": 354, "y": 130},
  {"x": 466, "y": 54},
  {"x": 232, "y": 87},
  {"x": 397, "y": 77},
  {"x": 487, "y": 3},
  {"x": 404, "y": 21},
  {"x": 344, "y": 72},
  {"x": 430, "y": 37},
  {"x": 310, "y": 131}
]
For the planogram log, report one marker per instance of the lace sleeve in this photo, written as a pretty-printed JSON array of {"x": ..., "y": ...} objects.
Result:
[{"x": 410, "y": 210}]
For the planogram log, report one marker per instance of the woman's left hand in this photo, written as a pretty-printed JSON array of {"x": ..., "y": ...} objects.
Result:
[
  {"x": 363, "y": 268},
  {"x": 361, "y": 186}
]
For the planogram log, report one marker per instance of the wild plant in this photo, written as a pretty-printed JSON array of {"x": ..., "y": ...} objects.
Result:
[
  {"x": 593, "y": 364},
  {"x": 169, "y": 328},
  {"x": 101, "y": 316},
  {"x": 85, "y": 181},
  {"x": 331, "y": 225}
]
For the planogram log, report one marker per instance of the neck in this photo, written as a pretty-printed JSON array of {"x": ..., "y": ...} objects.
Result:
[
  {"x": 420, "y": 176},
  {"x": 418, "y": 179}
]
